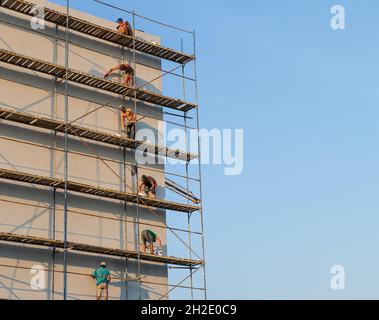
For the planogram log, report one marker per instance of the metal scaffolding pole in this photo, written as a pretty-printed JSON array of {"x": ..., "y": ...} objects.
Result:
[
  {"x": 136, "y": 164},
  {"x": 53, "y": 152},
  {"x": 187, "y": 174},
  {"x": 199, "y": 166},
  {"x": 65, "y": 255}
]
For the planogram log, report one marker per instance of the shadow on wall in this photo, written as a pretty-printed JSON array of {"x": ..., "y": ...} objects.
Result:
[{"x": 16, "y": 282}]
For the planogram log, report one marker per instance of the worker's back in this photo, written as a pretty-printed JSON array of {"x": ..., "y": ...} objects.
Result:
[
  {"x": 101, "y": 274},
  {"x": 126, "y": 28}
]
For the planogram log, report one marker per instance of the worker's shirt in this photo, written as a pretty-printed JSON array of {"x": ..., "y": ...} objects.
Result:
[
  {"x": 101, "y": 275},
  {"x": 151, "y": 182},
  {"x": 125, "y": 28},
  {"x": 127, "y": 69},
  {"x": 153, "y": 235}
]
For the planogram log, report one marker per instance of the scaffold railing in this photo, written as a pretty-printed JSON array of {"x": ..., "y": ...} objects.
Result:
[{"x": 97, "y": 31}]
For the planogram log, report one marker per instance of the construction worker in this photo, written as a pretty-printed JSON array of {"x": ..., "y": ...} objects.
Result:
[
  {"x": 128, "y": 120},
  {"x": 148, "y": 186},
  {"x": 127, "y": 73},
  {"x": 148, "y": 236},
  {"x": 103, "y": 277},
  {"x": 124, "y": 27}
]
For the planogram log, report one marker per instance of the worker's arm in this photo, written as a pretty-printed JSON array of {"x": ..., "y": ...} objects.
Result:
[
  {"x": 159, "y": 241},
  {"x": 140, "y": 186},
  {"x": 112, "y": 70}
]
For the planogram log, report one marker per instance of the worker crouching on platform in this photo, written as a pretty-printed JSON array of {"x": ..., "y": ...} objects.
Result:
[
  {"x": 148, "y": 186},
  {"x": 150, "y": 237},
  {"x": 103, "y": 277},
  {"x": 127, "y": 73},
  {"x": 128, "y": 120},
  {"x": 124, "y": 27}
]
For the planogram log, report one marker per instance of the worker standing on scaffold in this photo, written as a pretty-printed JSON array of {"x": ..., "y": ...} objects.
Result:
[
  {"x": 124, "y": 27},
  {"x": 128, "y": 121},
  {"x": 103, "y": 277},
  {"x": 127, "y": 73}
]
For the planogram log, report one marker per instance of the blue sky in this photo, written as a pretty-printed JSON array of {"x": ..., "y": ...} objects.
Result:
[{"x": 307, "y": 99}]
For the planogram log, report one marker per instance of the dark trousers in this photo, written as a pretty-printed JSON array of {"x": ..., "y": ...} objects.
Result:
[{"x": 131, "y": 131}]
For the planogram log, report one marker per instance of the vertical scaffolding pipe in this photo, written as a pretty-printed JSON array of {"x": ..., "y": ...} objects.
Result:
[
  {"x": 187, "y": 173},
  {"x": 54, "y": 160},
  {"x": 137, "y": 169},
  {"x": 125, "y": 190},
  {"x": 66, "y": 158},
  {"x": 199, "y": 167},
  {"x": 54, "y": 249},
  {"x": 125, "y": 226}
]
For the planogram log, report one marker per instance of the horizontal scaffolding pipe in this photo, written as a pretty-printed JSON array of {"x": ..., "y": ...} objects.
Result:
[
  {"x": 97, "y": 216},
  {"x": 111, "y": 107},
  {"x": 144, "y": 18}
]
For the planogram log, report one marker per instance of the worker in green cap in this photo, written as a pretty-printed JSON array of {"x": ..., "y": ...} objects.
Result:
[{"x": 103, "y": 277}]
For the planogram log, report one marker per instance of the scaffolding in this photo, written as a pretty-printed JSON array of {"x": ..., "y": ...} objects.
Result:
[{"x": 68, "y": 129}]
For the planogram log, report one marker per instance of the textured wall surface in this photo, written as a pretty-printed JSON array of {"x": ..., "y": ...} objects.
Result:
[{"x": 27, "y": 209}]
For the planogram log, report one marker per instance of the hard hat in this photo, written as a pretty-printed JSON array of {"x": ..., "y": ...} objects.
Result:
[{"x": 120, "y": 20}]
